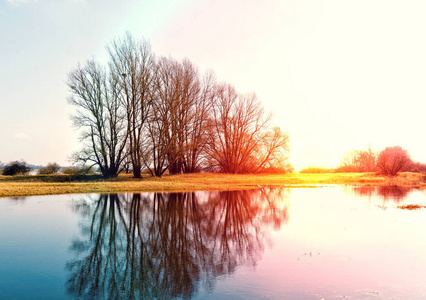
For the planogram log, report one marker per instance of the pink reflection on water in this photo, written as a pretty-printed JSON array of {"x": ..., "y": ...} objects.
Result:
[{"x": 339, "y": 244}]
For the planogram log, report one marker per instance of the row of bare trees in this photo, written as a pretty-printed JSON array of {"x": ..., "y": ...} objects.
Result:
[{"x": 160, "y": 114}]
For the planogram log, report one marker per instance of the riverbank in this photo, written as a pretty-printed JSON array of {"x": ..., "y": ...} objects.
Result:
[{"x": 20, "y": 186}]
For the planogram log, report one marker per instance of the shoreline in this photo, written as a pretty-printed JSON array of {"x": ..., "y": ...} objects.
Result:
[{"x": 22, "y": 186}]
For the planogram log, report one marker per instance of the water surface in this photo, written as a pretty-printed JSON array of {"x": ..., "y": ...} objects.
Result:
[{"x": 302, "y": 243}]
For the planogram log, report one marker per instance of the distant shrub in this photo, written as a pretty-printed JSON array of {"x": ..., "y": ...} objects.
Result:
[
  {"x": 78, "y": 171},
  {"x": 16, "y": 168},
  {"x": 392, "y": 160},
  {"x": 346, "y": 169},
  {"x": 72, "y": 171},
  {"x": 275, "y": 170},
  {"x": 316, "y": 170},
  {"x": 414, "y": 167},
  {"x": 51, "y": 168}
]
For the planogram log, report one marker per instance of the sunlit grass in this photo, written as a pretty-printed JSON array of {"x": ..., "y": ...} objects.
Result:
[{"x": 63, "y": 184}]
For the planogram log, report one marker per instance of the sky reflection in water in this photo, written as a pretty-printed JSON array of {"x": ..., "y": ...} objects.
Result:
[{"x": 301, "y": 243}]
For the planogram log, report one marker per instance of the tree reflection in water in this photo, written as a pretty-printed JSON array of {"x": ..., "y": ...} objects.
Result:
[
  {"x": 394, "y": 193},
  {"x": 165, "y": 245}
]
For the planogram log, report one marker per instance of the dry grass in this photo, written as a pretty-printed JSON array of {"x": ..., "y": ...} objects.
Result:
[{"x": 62, "y": 184}]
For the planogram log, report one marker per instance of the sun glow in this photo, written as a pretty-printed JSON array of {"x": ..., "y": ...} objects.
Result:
[{"x": 312, "y": 153}]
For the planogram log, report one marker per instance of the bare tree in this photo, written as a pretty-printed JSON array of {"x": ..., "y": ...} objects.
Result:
[
  {"x": 272, "y": 153},
  {"x": 237, "y": 139},
  {"x": 131, "y": 64},
  {"x": 392, "y": 160},
  {"x": 188, "y": 108},
  {"x": 367, "y": 160},
  {"x": 100, "y": 117},
  {"x": 160, "y": 134},
  {"x": 157, "y": 143},
  {"x": 51, "y": 168},
  {"x": 177, "y": 118},
  {"x": 183, "y": 88},
  {"x": 360, "y": 161},
  {"x": 195, "y": 131}
]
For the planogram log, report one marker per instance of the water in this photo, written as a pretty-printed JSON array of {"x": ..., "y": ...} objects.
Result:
[{"x": 301, "y": 243}]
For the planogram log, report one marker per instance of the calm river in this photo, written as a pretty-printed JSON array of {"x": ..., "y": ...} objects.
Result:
[{"x": 330, "y": 242}]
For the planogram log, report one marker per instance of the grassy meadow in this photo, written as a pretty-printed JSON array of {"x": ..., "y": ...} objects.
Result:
[{"x": 18, "y": 186}]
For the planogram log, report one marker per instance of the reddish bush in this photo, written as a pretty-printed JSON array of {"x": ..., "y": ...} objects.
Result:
[{"x": 392, "y": 160}]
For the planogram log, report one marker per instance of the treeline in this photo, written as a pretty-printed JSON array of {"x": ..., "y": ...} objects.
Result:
[
  {"x": 142, "y": 112},
  {"x": 389, "y": 161},
  {"x": 23, "y": 168}
]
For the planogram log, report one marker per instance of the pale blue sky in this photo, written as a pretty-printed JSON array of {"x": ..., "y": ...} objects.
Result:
[{"x": 338, "y": 75}]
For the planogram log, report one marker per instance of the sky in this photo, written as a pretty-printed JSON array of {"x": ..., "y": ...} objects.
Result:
[{"x": 337, "y": 75}]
